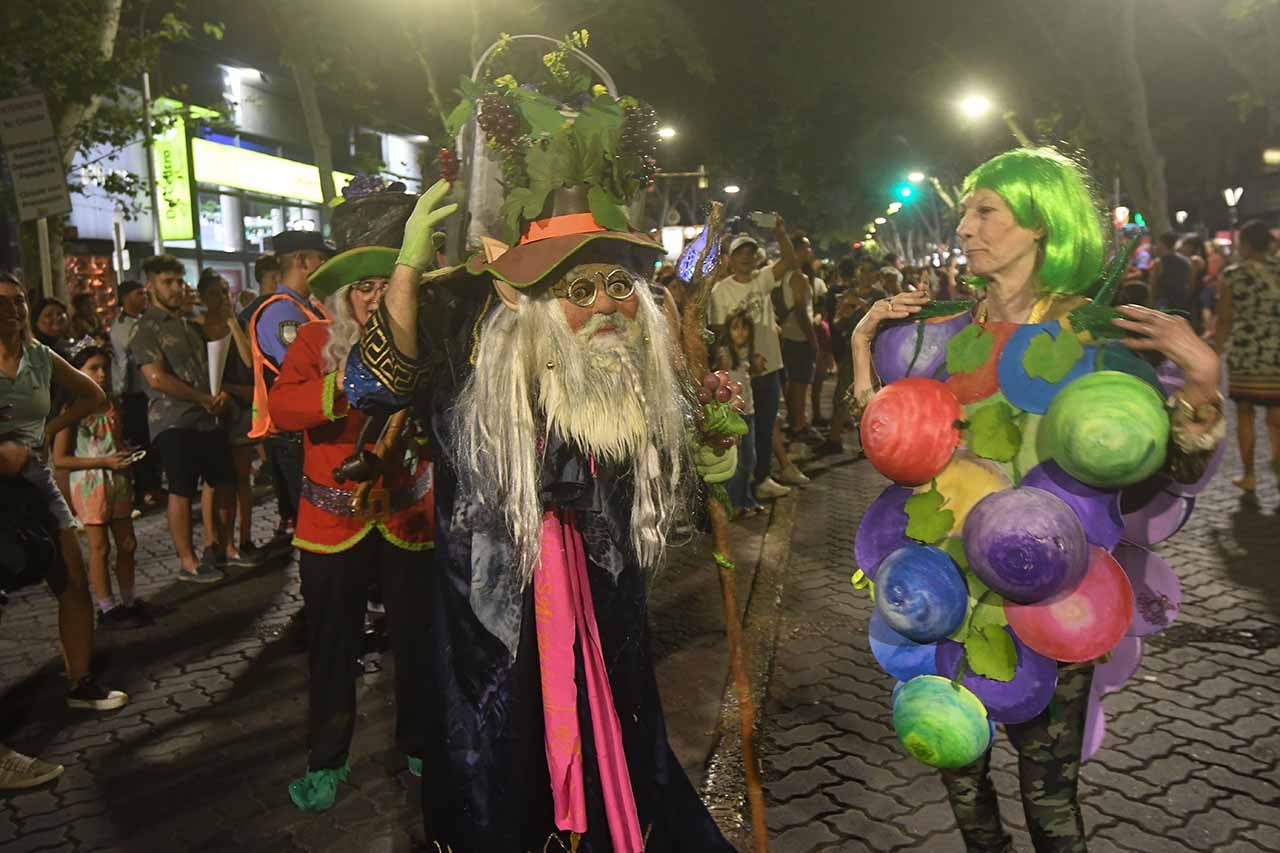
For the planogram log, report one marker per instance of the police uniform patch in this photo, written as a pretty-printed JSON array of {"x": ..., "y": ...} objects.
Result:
[{"x": 288, "y": 331}]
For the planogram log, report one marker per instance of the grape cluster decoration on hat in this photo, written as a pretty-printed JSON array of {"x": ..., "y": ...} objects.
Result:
[{"x": 1015, "y": 537}]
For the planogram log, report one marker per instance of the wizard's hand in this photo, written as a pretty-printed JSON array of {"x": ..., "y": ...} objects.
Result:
[
  {"x": 418, "y": 248},
  {"x": 715, "y": 454},
  {"x": 715, "y": 465}
]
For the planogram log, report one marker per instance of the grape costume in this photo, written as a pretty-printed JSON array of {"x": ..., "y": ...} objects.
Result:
[{"x": 1034, "y": 466}]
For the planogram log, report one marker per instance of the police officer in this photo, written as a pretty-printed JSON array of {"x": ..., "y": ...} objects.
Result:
[{"x": 272, "y": 328}]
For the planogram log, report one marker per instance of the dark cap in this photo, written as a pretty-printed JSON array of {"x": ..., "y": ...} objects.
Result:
[
  {"x": 299, "y": 241},
  {"x": 127, "y": 287}
]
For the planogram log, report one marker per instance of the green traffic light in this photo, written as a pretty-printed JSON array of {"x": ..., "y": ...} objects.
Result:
[{"x": 906, "y": 192}]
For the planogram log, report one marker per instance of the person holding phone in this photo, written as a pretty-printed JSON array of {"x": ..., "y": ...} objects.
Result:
[{"x": 93, "y": 450}]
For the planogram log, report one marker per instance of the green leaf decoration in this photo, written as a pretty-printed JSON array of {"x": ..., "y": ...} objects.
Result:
[
  {"x": 995, "y": 432},
  {"x": 538, "y": 111},
  {"x": 990, "y": 653},
  {"x": 460, "y": 115},
  {"x": 606, "y": 211},
  {"x": 599, "y": 122},
  {"x": 551, "y": 164},
  {"x": 954, "y": 546},
  {"x": 720, "y": 494},
  {"x": 721, "y": 419},
  {"x": 988, "y": 605},
  {"x": 1095, "y": 319},
  {"x": 1051, "y": 358},
  {"x": 470, "y": 89},
  {"x": 969, "y": 349},
  {"x": 927, "y": 521},
  {"x": 513, "y": 207}
]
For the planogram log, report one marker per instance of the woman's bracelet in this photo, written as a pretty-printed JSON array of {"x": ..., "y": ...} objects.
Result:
[
  {"x": 1208, "y": 417},
  {"x": 857, "y": 404}
]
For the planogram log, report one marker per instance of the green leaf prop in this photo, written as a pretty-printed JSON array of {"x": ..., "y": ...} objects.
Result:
[
  {"x": 927, "y": 521},
  {"x": 1051, "y": 358},
  {"x": 969, "y": 349},
  {"x": 990, "y": 652},
  {"x": 995, "y": 432},
  {"x": 988, "y": 605},
  {"x": 1095, "y": 319},
  {"x": 460, "y": 115},
  {"x": 539, "y": 111},
  {"x": 470, "y": 89},
  {"x": 598, "y": 123},
  {"x": 721, "y": 419},
  {"x": 943, "y": 308},
  {"x": 605, "y": 210},
  {"x": 954, "y": 546}
]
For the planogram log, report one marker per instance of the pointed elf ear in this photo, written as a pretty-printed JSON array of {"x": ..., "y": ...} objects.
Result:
[{"x": 509, "y": 295}]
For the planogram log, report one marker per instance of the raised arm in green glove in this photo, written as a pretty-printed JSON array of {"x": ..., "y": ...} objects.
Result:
[{"x": 416, "y": 255}]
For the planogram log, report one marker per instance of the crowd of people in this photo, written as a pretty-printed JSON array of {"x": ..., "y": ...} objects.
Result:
[{"x": 503, "y": 450}]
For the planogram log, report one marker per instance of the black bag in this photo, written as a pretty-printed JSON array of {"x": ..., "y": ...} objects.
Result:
[{"x": 28, "y": 535}]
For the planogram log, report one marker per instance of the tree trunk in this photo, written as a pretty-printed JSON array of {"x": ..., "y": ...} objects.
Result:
[
  {"x": 316, "y": 133},
  {"x": 1153, "y": 189}
]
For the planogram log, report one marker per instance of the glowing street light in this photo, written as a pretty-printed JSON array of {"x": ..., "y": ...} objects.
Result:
[
  {"x": 915, "y": 177},
  {"x": 1231, "y": 195},
  {"x": 880, "y": 220},
  {"x": 974, "y": 106},
  {"x": 894, "y": 208},
  {"x": 732, "y": 188},
  {"x": 666, "y": 132},
  {"x": 1180, "y": 216}
]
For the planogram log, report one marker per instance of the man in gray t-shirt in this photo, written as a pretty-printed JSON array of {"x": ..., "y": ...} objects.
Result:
[{"x": 172, "y": 354}]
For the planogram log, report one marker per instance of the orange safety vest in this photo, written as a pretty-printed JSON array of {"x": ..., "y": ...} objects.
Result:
[{"x": 261, "y": 425}]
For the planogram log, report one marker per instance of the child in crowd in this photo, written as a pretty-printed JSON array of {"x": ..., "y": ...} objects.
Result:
[
  {"x": 94, "y": 453},
  {"x": 735, "y": 353}
]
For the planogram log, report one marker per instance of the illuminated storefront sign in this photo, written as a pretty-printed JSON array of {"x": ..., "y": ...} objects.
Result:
[
  {"x": 228, "y": 166},
  {"x": 173, "y": 179}
]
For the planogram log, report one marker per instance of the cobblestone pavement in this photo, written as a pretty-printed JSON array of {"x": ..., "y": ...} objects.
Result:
[
  {"x": 1192, "y": 755},
  {"x": 201, "y": 757}
]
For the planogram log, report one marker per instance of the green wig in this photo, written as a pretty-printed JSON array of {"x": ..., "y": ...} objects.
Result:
[{"x": 1045, "y": 189}]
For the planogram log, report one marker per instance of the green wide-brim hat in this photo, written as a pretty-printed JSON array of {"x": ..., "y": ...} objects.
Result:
[{"x": 351, "y": 266}]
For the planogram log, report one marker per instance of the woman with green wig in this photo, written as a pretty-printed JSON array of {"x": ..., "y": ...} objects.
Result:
[{"x": 1033, "y": 233}]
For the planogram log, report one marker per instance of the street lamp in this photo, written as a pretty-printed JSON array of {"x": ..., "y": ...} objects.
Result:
[
  {"x": 732, "y": 188},
  {"x": 894, "y": 208},
  {"x": 915, "y": 177},
  {"x": 974, "y": 106},
  {"x": 666, "y": 132},
  {"x": 1231, "y": 195},
  {"x": 1180, "y": 217},
  {"x": 880, "y": 220}
]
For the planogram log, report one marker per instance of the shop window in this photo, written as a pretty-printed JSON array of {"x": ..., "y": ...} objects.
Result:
[{"x": 220, "y": 222}]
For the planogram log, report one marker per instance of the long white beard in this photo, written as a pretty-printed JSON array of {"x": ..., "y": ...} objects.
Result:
[{"x": 613, "y": 394}]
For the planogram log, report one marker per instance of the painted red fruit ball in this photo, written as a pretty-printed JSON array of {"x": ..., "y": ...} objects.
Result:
[{"x": 909, "y": 429}]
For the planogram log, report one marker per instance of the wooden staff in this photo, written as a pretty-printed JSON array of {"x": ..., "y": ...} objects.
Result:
[
  {"x": 388, "y": 439},
  {"x": 693, "y": 329}
]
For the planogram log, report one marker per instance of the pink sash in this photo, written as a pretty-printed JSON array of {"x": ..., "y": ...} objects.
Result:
[{"x": 564, "y": 610}]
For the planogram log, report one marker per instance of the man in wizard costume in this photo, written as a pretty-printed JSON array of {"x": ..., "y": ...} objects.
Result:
[{"x": 551, "y": 384}]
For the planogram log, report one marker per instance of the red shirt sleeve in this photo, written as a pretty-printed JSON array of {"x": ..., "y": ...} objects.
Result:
[{"x": 303, "y": 396}]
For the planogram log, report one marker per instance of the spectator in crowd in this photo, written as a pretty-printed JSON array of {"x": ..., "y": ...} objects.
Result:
[
  {"x": 272, "y": 327},
  {"x": 183, "y": 416},
  {"x": 1169, "y": 277},
  {"x": 735, "y": 354},
  {"x": 1191, "y": 247},
  {"x": 854, "y": 302},
  {"x": 895, "y": 261},
  {"x": 825, "y": 364},
  {"x": 85, "y": 320},
  {"x": 94, "y": 452},
  {"x": 131, "y": 393},
  {"x": 794, "y": 306},
  {"x": 751, "y": 288},
  {"x": 266, "y": 272},
  {"x": 244, "y": 299},
  {"x": 52, "y": 325},
  {"x": 1248, "y": 329},
  {"x": 237, "y": 380},
  {"x": 28, "y": 554},
  {"x": 27, "y": 370},
  {"x": 890, "y": 279}
]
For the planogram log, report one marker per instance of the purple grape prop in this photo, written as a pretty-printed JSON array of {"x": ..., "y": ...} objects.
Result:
[
  {"x": 915, "y": 349},
  {"x": 882, "y": 531},
  {"x": 1026, "y": 544},
  {"x": 1097, "y": 509}
]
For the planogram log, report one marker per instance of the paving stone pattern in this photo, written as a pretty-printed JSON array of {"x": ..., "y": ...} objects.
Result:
[
  {"x": 1192, "y": 755},
  {"x": 201, "y": 757}
]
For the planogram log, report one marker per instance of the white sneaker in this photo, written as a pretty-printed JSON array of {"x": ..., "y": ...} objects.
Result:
[
  {"x": 769, "y": 488},
  {"x": 792, "y": 476},
  {"x": 22, "y": 771}
]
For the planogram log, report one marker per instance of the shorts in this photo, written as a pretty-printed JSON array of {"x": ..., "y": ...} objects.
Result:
[
  {"x": 189, "y": 456},
  {"x": 38, "y": 473},
  {"x": 799, "y": 358},
  {"x": 238, "y": 421}
]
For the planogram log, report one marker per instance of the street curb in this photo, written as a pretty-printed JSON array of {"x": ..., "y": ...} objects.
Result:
[{"x": 724, "y": 788}]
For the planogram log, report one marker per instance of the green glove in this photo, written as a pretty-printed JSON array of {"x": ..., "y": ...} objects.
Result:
[
  {"x": 715, "y": 466},
  {"x": 418, "y": 248}
]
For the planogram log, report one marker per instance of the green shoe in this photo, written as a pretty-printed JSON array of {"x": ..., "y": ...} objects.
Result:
[
  {"x": 415, "y": 766},
  {"x": 317, "y": 790}
]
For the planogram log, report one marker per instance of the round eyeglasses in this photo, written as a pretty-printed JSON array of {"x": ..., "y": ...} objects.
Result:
[
  {"x": 581, "y": 291},
  {"x": 369, "y": 286}
]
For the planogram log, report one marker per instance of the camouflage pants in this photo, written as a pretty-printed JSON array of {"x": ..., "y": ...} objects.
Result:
[{"x": 1048, "y": 749}]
